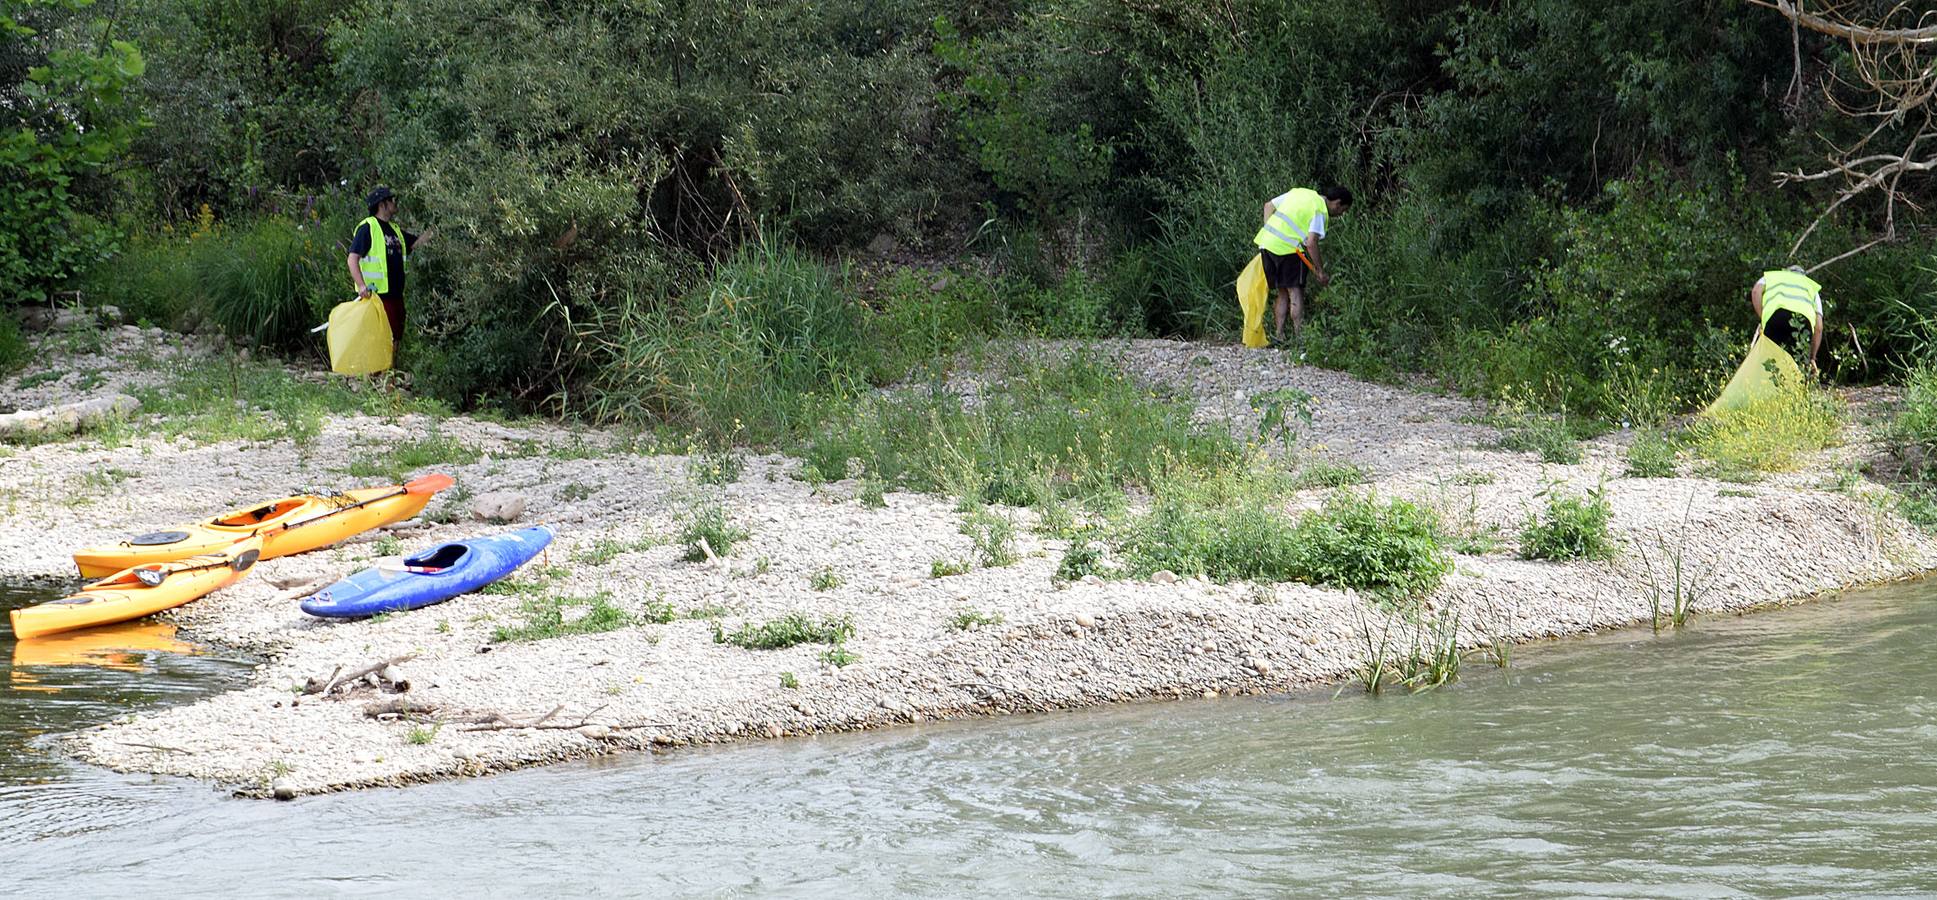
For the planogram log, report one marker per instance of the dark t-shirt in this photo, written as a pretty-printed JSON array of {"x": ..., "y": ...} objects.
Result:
[{"x": 393, "y": 255}]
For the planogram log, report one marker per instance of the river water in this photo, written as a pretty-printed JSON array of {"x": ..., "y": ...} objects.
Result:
[{"x": 1787, "y": 753}]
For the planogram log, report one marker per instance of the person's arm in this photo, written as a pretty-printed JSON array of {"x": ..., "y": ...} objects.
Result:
[
  {"x": 1815, "y": 344},
  {"x": 412, "y": 241},
  {"x": 356, "y": 275},
  {"x": 1755, "y": 301},
  {"x": 1268, "y": 210},
  {"x": 1318, "y": 262},
  {"x": 359, "y": 245}
]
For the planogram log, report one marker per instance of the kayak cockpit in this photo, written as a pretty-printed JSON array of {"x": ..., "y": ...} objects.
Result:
[
  {"x": 252, "y": 517},
  {"x": 437, "y": 560}
]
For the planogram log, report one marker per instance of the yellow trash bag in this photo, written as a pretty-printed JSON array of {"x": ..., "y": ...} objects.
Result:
[
  {"x": 1756, "y": 378},
  {"x": 359, "y": 337},
  {"x": 1253, "y": 297}
]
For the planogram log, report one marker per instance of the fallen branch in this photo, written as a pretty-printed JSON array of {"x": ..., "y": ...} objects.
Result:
[
  {"x": 324, "y": 687},
  {"x": 152, "y": 747},
  {"x": 501, "y": 722}
]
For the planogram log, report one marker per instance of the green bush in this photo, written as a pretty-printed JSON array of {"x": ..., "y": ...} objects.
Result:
[
  {"x": 1572, "y": 527},
  {"x": 1231, "y": 531}
]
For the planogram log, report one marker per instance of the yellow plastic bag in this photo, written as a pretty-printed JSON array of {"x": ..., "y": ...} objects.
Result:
[
  {"x": 1756, "y": 378},
  {"x": 359, "y": 337},
  {"x": 1253, "y": 297}
]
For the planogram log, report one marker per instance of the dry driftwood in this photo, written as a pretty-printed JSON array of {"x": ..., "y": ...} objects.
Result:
[
  {"x": 338, "y": 678},
  {"x": 67, "y": 417}
]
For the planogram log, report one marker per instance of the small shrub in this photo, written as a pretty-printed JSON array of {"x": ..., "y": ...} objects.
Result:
[
  {"x": 993, "y": 535},
  {"x": 825, "y": 580},
  {"x": 420, "y": 735},
  {"x": 839, "y": 656},
  {"x": 707, "y": 527},
  {"x": 787, "y": 631},
  {"x": 14, "y": 351},
  {"x": 873, "y": 493},
  {"x": 971, "y": 619},
  {"x": 1651, "y": 455},
  {"x": 1917, "y": 503},
  {"x": 1079, "y": 560},
  {"x": 1473, "y": 477},
  {"x": 942, "y": 568},
  {"x": 1359, "y": 542},
  {"x": 789, "y": 680},
  {"x": 1572, "y": 527}
]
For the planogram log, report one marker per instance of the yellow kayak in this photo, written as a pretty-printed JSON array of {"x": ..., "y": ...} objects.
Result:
[
  {"x": 139, "y": 591},
  {"x": 288, "y": 526}
]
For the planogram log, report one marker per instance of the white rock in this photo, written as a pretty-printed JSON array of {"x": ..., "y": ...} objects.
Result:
[
  {"x": 498, "y": 506},
  {"x": 595, "y": 732},
  {"x": 1164, "y": 576},
  {"x": 1085, "y": 620}
]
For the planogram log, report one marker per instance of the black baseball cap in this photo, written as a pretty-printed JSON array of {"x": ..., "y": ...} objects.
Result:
[{"x": 378, "y": 196}]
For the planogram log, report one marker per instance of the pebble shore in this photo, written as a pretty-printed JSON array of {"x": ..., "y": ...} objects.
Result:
[{"x": 1056, "y": 646}]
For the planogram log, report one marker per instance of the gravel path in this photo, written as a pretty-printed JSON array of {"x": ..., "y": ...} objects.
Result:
[{"x": 664, "y": 685}]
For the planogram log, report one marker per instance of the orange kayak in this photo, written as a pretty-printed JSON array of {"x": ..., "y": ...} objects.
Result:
[
  {"x": 288, "y": 526},
  {"x": 139, "y": 591}
]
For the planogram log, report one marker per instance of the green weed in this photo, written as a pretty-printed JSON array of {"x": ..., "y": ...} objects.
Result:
[
  {"x": 1771, "y": 435},
  {"x": 604, "y": 550},
  {"x": 787, "y": 631},
  {"x": 398, "y": 462},
  {"x": 789, "y": 680},
  {"x": 993, "y": 535},
  {"x": 544, "y": 617},
  {"x": 942, "y": 568},
  {"x": 972, "y": 619},
  {"x": 1651, "y": 455},
  {"x": 1319, "y": 472},
  {"x": 707, "y": 527},
  {"x": 825, "y": 580}
]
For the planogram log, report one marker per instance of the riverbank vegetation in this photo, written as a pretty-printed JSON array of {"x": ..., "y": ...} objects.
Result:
[{"x": 774, "y": 213}]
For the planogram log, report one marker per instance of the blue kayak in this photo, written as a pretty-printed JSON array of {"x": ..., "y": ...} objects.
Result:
[{"x": 433, "y": 576}]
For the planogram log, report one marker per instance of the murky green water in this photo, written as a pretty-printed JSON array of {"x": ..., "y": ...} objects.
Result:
[
  {"x": 62, "y": 682},
  {"x": 1782, "y": 754}
]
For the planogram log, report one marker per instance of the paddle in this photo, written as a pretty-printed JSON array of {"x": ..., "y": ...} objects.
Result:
[{"x": 428, "y": 484}]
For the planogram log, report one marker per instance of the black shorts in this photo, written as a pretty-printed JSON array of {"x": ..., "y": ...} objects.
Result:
[
  {"x": 1283, "y": 271},
  {"x": 1787, "y": 329}
]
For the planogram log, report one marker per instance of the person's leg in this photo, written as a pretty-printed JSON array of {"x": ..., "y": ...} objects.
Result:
[
  {"x": 1278, "y": 312},
  {"x": 393, "y": 309},
  {"x": 1297, "y": 311}
]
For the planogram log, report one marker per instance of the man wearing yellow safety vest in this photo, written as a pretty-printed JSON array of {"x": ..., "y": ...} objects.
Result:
[
  {"x": 1293, "y": 223},
  {"x": 1787, "y": 301},
  {"x": 382, "y": 273}
]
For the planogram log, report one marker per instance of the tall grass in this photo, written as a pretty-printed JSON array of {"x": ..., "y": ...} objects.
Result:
[
  {"x": 268, "y": 279},
  {"x": 1042, "y": 430}
]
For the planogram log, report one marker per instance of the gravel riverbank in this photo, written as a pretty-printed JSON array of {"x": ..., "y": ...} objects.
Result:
[{"x": 817, "y": 550}]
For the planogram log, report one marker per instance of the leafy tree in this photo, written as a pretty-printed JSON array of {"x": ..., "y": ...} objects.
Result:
[{"x": 63, "y": 117}]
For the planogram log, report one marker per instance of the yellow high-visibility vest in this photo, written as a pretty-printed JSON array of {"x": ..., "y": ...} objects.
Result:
[
  {"x": 1284, "y": 233},
  {"x": 376, "y": 264},
  {"x": 1795, "y": 292}
]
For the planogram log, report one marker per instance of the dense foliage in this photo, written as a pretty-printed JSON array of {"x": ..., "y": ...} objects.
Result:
[{"x": 692, "y": 210}]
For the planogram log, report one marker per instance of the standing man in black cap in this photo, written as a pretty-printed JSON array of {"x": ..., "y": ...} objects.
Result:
[{"x": 382, "y": 273}]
